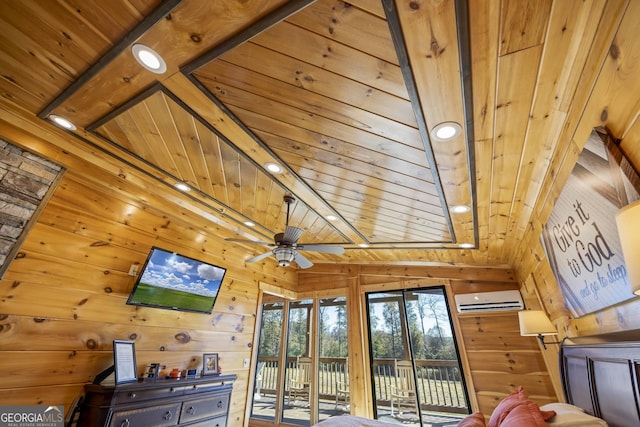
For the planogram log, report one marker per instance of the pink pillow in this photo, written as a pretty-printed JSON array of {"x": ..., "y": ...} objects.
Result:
[
  {"x": 547, "y": 415},
  {"x": 474, "y": 420},
  {"x": 524, "y": 415},
  {"x": 507, "y": 404}
]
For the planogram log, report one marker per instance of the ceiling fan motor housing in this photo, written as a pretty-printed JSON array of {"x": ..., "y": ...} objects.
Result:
[{"x": 286, "y": 244}]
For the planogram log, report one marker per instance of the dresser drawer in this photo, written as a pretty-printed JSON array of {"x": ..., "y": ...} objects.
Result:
[
  {"x": 203, "y": 387},
  {"x": 196, "y": 409},
  {"x": 211, "y": 422},
  {"x": 159, "y": 415},
  {"x": 148, "y": 394}
]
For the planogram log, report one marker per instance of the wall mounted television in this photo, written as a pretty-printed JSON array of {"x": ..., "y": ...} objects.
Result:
[{"x": 176, "y": 282}]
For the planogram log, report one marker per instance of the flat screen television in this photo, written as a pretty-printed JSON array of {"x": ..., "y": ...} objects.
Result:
[{"x": 176, "y": 282}]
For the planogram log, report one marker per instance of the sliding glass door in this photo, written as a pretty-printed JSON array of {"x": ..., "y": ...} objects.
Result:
[
  {"x": 311, "y": 348},
  {"x": 333, "y": 345},
  {"x": 297, "y": 401},
  {"x": 416, "y": 374},
  {"x": 267, "y": 373}
]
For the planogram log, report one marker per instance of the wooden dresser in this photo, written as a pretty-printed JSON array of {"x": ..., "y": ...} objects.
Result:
[{"x": 187, "y": 402}]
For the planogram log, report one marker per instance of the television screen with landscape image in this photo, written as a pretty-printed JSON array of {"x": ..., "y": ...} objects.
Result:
[{"x": 176, "y": 282}]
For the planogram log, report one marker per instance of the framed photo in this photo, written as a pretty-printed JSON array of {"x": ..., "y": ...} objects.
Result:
[
  {"x": 151, "y": 372},
  {"x": 210, "y": 364},
  {"x": 124, "y": 360}
]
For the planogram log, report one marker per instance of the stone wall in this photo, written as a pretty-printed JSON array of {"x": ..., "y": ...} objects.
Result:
[{"x": 25, "y": 181}]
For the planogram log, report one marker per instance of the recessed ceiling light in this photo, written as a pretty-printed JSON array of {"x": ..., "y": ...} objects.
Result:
[
  {"x": 466, "y": 245},
  {"x": 273, "y": 167},
  {"x": 149, "y": 58},
  {"x": 331, "y": 217},
  {"x": 62, "y": 122},
  {"x": 182, "y": 186},
  {"x": 446, "y": 131},
  {"x": 460, "y": 209},
  {"x": 363, "y": 245},
  {"x": 249, "y": 224}
]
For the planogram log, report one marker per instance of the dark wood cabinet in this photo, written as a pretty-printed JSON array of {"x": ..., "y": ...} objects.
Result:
[{"x": 187, "y": 402}]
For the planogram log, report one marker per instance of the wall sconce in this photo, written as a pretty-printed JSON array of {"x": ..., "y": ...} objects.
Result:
[
  {"x": 628, "y": 221},
  {"x": 536, "y": 323}
]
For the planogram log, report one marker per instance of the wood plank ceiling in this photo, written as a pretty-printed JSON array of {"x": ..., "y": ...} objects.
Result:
[{"x": 343, "y": 96}]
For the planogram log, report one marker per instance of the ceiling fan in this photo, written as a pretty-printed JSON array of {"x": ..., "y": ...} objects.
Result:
[{"x": 286, "y": 246}]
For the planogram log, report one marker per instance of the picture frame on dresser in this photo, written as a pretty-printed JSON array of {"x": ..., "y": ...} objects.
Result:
[
  {"x": 151, "y": 372},
  {"x": 210, "y": 364},
  {"x": 124, "y": 361}
]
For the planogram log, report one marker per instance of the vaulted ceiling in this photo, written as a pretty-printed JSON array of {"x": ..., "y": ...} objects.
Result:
[{"x": 343, "y": 96}]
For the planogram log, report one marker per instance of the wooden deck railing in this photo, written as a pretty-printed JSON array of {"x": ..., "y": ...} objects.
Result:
[{"x": 439, "y": 381}]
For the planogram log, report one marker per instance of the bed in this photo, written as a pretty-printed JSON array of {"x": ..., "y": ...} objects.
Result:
[
  {"x": 600, "y": 379},
  {"x": 601, "y": 373}
]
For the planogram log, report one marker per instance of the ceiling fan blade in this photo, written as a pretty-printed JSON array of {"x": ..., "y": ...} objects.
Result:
[
  {"x": 292, "y": 234},
  {"x": 259, "y": 257},
  {"x": 328, "y": 249},
  {"x": 302, "y": 261},
  {"x": 259, "y": 242}
]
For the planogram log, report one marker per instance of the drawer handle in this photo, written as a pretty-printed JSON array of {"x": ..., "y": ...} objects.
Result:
[
  {"x": 132, "y": 395},
  {"x": 125, "y": 423},
  {"x": 167, "y": 416},
  {"x": 191, "y": 410},
  {"x": 220, "y": 404}
]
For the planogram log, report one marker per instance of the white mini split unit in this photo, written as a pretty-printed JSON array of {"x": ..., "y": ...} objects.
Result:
[{"x": 489, "y": 301}]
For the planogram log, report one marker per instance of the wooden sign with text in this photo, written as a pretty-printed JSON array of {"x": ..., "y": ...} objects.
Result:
[{"x": 581, "y": 238}]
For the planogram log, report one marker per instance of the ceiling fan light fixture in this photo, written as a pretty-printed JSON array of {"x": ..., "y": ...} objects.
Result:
[
  {"x": 62, "y": 122},
  {"x": 149, "y": 58},
  {"x": 446, "y": 131},
  {"x": 273, "y": 167},
  {"x": 460, "y": 209},
  {"x": 284, "y": 256}
]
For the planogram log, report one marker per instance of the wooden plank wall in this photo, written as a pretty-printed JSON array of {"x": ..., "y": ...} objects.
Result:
[
  {"x": 496, "y": 358},
  {"x": 63, "y": 300},
  {"x": 612, "y": 104},
  {"x": 499, "y": 358}
]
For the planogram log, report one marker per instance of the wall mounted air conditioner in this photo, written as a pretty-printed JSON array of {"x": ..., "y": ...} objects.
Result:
[{"x": 489, "y": 301}]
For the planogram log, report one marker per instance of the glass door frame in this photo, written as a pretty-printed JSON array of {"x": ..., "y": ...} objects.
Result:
[
  {"x": 280, "y": 379},
  {"x": 312, "y": 350},
  {"x": 313, "y": 346},
  {"x": 407, "y": 344}
]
